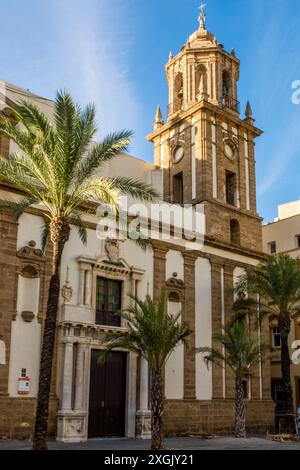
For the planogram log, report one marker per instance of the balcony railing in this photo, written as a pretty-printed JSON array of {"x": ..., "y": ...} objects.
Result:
[
  {"x": 106, "y": 318},
  {"x": 230, "y": 103},
  {"x": 176, "y": 106}
]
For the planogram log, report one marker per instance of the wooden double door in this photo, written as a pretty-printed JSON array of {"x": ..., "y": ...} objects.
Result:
[{"x": 107, "y": 396}]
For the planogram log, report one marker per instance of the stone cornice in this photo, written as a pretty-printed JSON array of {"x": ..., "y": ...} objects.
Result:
[
  {"x": 121, "y": 267},
  {"x": 205, "y": 106}
]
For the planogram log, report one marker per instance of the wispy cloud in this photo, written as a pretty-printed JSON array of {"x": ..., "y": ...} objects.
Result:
[
  {"x": 95, "y": 43},
  {"x": 275, "y": 63},
  {"x": 287, "y": 150}
]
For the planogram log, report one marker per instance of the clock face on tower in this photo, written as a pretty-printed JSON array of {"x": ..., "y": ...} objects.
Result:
[
  {"x": 178, "y": 154},
  {"x": 229, "y": 150}
]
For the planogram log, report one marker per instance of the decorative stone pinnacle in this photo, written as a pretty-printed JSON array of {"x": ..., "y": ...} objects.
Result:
[
  {"x": 170, "y": 56},
  {"x": 202, "y": 16},
  {"x": 248, "y": 111},
  {"x": 249, "y": 114},
  {"x": 68, "y": 275},
  {"x": 158, "y": 119}
]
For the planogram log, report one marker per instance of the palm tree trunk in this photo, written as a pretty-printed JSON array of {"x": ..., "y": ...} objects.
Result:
[
  {"x": 240, "y": 409},
  {"x": 59, "y": 234},
  {"x": 284, "y": 329},
  {"x": 157, "y": 403}
]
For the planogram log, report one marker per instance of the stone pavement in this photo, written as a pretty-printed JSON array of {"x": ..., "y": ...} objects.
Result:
[{"x": 221, "y": 443}]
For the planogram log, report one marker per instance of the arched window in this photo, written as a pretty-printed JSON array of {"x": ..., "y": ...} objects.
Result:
[
  {"x": 201, "y": 81},
  {"x": 226, "y": 83},
  {"x": 235, "y": 233},
  {"x": 178, "y": 92}
]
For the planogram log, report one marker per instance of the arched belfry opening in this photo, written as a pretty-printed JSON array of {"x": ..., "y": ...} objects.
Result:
[
  {"x": 200, "y": 81},
  {"x": 178, "y": 92},
  {"x": 226, "y": 84}
]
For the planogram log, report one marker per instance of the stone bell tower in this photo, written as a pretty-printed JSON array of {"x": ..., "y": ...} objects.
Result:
[{"x": 205, "y": 148}]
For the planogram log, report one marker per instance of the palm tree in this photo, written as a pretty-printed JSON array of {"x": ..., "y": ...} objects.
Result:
[
  {"x": 152, "y": 333},
  {"x": 58, "y": 168},
  {"x": 276, "y": 285},
  {"x": 242, "y": 351}
]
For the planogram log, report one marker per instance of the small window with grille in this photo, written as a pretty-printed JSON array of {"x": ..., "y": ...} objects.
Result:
[
  {"x": 276, "y": 339},
  {"x": 272, "y": 248}
]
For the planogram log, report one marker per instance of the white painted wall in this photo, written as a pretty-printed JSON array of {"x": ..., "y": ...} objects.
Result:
[
  {"x": 203, "y": 328},
  {"x": 74, "y": 248},
  {"x": 25, "y": 338},
  {"x": 236, "y": 275},
  {"x": 30, "y": 227},
  {"x": 135, "y": 256},
  {"x": 174, "y": 371},
  {"x": 174, "y": 264},
  {"x": 284, "y": 233}
]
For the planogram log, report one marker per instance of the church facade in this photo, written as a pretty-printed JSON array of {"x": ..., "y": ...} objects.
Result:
[{"x": 203, "y": 154}]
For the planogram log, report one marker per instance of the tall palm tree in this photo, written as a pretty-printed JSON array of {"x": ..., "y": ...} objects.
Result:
[
  {"x": 276, "y": 285},
  {"x": 58, "y": 168},
  {"x": 242, "y": 351},
  {"x": 152, "y": 333}
]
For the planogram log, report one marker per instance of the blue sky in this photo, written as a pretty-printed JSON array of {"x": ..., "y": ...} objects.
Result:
[{"x": 113, "y": 52}]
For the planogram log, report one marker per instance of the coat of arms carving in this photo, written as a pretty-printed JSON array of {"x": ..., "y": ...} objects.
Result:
[{"x": 112, "y": 250}]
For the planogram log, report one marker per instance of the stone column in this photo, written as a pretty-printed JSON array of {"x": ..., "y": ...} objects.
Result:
[
  {"x": 67, "y": 378},
  {"x": 159, "y": 274},
  {"x": 79, "y": 378},
  {"x": 228, "y": 313},
  {"x": 81, "y": 286},
  {"x": 216, "y": 283},
  {"x": 143, "y": 418},
  {"x": 72, "y": 423},
  {"x": 8, "y": 263},
  {"x": 144, "y": 384},
  {"x": 88, "y": 288},
  {"x": 130, "y": 428},
  {"x": 189, "y": 318}
]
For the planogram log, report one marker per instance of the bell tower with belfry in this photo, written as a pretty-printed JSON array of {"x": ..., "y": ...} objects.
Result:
[{"x": 205, "y": 147}]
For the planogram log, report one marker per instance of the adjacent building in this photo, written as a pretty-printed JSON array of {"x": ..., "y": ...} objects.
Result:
[
  {"x": 203, "y": 153},
  {"x": 283, "y": 236}
]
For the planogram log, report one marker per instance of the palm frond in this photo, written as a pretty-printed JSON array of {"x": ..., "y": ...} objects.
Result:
[
  {"x": 36, "y": 123},
  {"x": 113, "y": 145},
  {"x": 100, "y": 190},
  {"x": 79, "y": 224},
  {"x": 59, "y": 166},
  {"x": 45, "y": 234},
  {"x": 135, "y": 188},
  {"x": 152, "y": 331},
  {"x": 18, "y": 207},
  {"x": 243, "y": 349},
  {"x": 276, "y": 282},
  {"x": 10, "y": 130}
]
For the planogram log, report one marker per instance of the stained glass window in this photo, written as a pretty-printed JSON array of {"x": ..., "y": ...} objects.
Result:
[{"x": 108, "y": 302}]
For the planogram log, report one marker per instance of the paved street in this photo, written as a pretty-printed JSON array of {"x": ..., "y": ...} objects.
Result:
[{"x": 222, "y": 443}]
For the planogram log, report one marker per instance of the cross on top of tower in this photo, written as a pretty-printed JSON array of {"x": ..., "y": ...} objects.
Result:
[{"x": 202, "y": 15}]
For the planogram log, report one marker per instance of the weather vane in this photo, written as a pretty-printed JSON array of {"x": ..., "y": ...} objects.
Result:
[{"x": 202, "y": 16}]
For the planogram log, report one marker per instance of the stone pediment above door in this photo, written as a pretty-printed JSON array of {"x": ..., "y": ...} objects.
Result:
[{"x": 110, "y": 260}]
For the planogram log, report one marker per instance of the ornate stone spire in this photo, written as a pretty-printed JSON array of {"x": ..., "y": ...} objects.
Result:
[
  {"x": 158, "y": 119},
  {"x": 202, "y": 16},
  {"x": 170, "y": 56}
]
